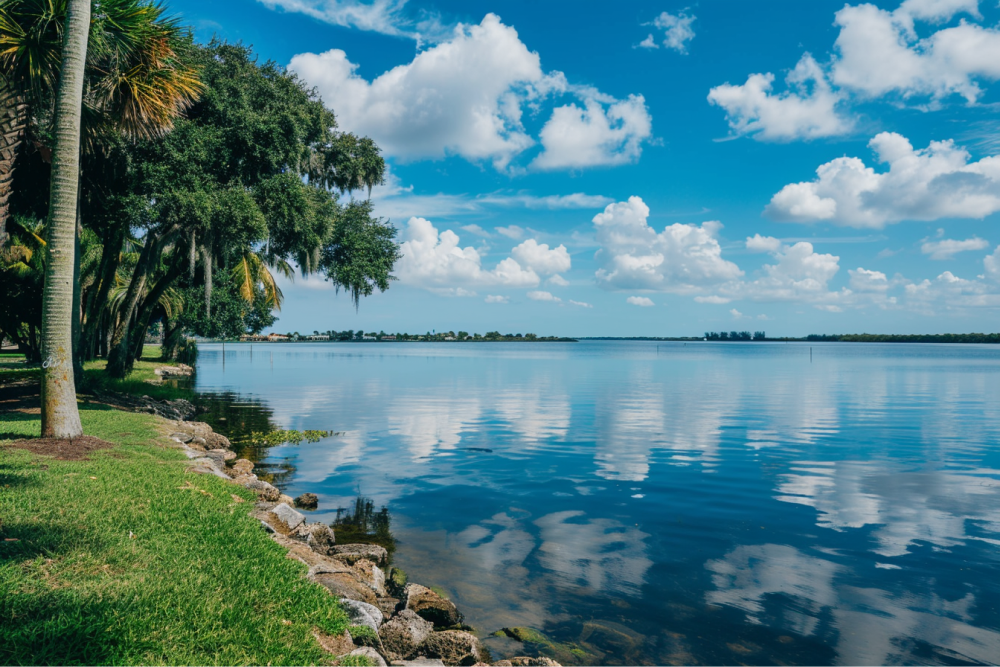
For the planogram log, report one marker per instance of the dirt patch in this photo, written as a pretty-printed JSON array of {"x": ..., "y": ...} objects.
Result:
[{"x": 64, "y": 449}]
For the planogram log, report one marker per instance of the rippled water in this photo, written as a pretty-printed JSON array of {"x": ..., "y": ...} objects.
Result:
[{"x": 647, "y": 503}]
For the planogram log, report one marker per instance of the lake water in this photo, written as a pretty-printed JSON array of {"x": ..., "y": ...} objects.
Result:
[{"x": 662, "y": 503}]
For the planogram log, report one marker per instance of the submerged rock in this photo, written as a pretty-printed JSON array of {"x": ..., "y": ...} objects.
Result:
[
  {"x": 454, "y": 647},
  {"x": 352, "y": 553},
  {"x": 403, "y": 633},
  {"x": 307, "y": 501},
  {"x": 431, "y": 606}
]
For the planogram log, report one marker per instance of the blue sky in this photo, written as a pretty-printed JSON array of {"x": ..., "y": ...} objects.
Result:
[{"x": 660, "y": 168}]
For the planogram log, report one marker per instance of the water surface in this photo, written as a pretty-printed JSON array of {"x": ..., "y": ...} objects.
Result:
[{"x": 663, "y": 503}]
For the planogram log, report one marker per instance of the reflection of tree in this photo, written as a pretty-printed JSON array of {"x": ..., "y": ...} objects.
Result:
[
  {"x": 364, "y": 525},
  {"x": 236, "y": 417}
]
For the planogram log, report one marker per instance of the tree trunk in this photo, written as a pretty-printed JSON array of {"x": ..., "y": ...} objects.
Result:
[
  {"x": 77, "y": 303},
  {"x": 206, "y": 258},
  {"x": 13, "y": 113},
  {"x": 118, "y": 347},
  {"x": 97, "y": 296},
  {"x": 192, "y": 257},
  {"x": 60, "y": 417},
  {"x": 146, "y": 311}
]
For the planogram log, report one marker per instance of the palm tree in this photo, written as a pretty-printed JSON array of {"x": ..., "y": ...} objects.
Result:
[
  {"x": 136, "y": 79},
  {"x": 60, "y": 417}
]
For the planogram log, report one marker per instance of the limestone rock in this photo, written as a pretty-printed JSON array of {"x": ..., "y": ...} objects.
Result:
[
  {"x": 454, "y": 647},
  {"x": 362, "y": 613},
  {"x": 307, "y": 501},
  {"x": 525, "y": 661},
  {"x": 288, "y": 517},
  {"x": 263, "y": 489},
  {"x": 370, "y": 575},
  {"x": 431, "y": 606},
  {"x": 403, "y": 633},
  {"x": 395, "y": 583},
  {"x": 419, "y": 662},
  {"x": 352, "y": 553},
  {"x": 286, "y": 499},
  {"x": 242, "y": 467},
  {"x": 320, "y": 539},
  {"x": 336, "y": 645},
  {"x": 217, "y": 440},
  {"x": 371, "y": 654},
  {"x": 198, "y": 440},
  {"x": 344, "y": 585},
  {"x": 181, "y": 436},
  {"x": 218, "y": 456}
]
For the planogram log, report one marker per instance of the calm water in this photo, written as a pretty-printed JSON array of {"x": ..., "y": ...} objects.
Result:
[{"x": 647, "y": 503}]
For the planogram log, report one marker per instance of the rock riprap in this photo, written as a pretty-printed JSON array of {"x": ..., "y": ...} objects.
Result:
[
  {"x": 431, "y": 606},
  {"x": 307, "y": 501}
]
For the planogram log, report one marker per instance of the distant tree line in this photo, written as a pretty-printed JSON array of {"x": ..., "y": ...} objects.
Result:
[
  {"x": 735, "y": 335},
  {"x": 443, "y": 336},
  {"x": 913, "y": 338}
]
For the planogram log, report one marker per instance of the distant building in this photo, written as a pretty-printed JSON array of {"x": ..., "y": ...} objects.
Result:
[
  {"x": 320, "y": 337},
  {"x": 389, "y": 337},
  {"x": 367, "y": 337},
  {"x": 274, "y": 337},
  {"x": 449, "y": 338}
]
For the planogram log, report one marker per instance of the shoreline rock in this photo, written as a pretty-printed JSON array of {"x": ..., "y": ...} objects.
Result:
[{"x": 409, "y": 624}]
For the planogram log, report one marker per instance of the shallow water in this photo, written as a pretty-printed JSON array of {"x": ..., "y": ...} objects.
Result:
[{"x": 663, "y": 503}]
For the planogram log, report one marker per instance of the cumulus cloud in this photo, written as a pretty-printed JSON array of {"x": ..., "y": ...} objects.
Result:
[
  {"x": 713, "y": 299},
  {"x": 539, "y": 295},
  {"x": 466, "y": 96},
  {"x": 677, "y": 31},
  {"x": 582, "y": 304},
  {"x": 863, "y": 280},
  {"x": 494, "y": 298},
  {"x": 807, "y": 110},
  {"x": 799, "y": 274},
  {"x": 948, "y": 248},
  {"x": 435, "y": 261},
  {"x": 642, "y": 301},
  {"x": 540, "y": 258},
  {"x": 936, "y": 182},
  {"x": 683, "y": 258},
  {"x": 879, "y": 51},
  {"x": 558, "y": 281},
  {"x": 598, "y": 133}
]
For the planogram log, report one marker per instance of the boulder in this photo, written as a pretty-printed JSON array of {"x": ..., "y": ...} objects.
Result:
[
  {"x": 370, "y": 653},
  {"x": 454, "y": 647},
  {"x": 217, "y": 440},
  {"x": 242, "y": 467},
  {"x": 283, "y": 498},
  {"x": 218, "y": 456},
  {"x": 181, "y": 436},
  {"x": 362, "y": 613},
  {"x": 289, "y": 518},
  {"x": 352, "y": 553},
  {"x": 336, "y": 645},
  {"x": 418, "y": 662},
  {"x": 345, "y": 586},
  {"x": 431, "y": 606},
  {"x": 264, "y": 490},
  {"x": 198, "y": 440},
  {"x": 403, "y": 633},
  {"x": 370, "y": 575},
  {"x": 526, "y": 661},
  {"x": 318, "y": 536},
  {"x": 307, "y": 501}
]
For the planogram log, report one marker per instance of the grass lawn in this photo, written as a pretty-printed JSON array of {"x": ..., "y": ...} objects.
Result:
[{"x": 126, "y": 558}]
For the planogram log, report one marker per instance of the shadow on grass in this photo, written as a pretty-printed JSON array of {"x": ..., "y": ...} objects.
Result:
[{"x": 9, "y": 478}]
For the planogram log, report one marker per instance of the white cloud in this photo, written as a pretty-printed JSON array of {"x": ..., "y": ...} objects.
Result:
[
  {"x": 594, "y": 136},
  {"x": 436, "y": 262},
  {"x": 582, "y": 304},
  {"x": 863, "y": 280},
  {"x": 511, "y": 232},
  {"x": 935, "y": 182},
  {"x": 948, "y": 248},
  {"x": 494, "y": 298},
  {"x": 717, "y": 300},
  {"x": 737, "y": 315},
  {"x": 800, "y": 274},
  {"x": 642, "y": 301},
  {"x": 683, "y": 258},
  {"x": 477, "y": 230},
  {"x": 382, "y": 16},
  {"x": 879, "y": 52},
  {"x": 648, "y": 43},
  {"x": 558, "y": 281},
  {"x": 806, "y": 111},
  {"x": 538, "y": 257},
  {"x": 991, "y": 263},
  {"x": 539, "y": 295},
  {"x": 550, "y": 202},
  {"x": 758, "y": 243},
  {"x": 466, "y": 96},
  {"x": 677, "y": 31}
]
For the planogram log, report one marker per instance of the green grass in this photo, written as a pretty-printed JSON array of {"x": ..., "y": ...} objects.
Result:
[
  {"x": 139, "y": 382},
  {"x": 199, "y": 583}
]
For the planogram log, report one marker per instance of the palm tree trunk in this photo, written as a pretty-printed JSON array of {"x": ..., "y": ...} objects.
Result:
[
  {"x": 118, "y": 347},
  {"x": 12, "y": 119},
  {"x": 206, "y": 257},
  {"x": 60, "y": 417}
]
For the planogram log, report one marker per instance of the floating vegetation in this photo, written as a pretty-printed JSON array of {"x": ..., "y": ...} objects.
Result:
[
  {"x": 364, "y": 525},
  {"x": 273, "y": 438}
]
